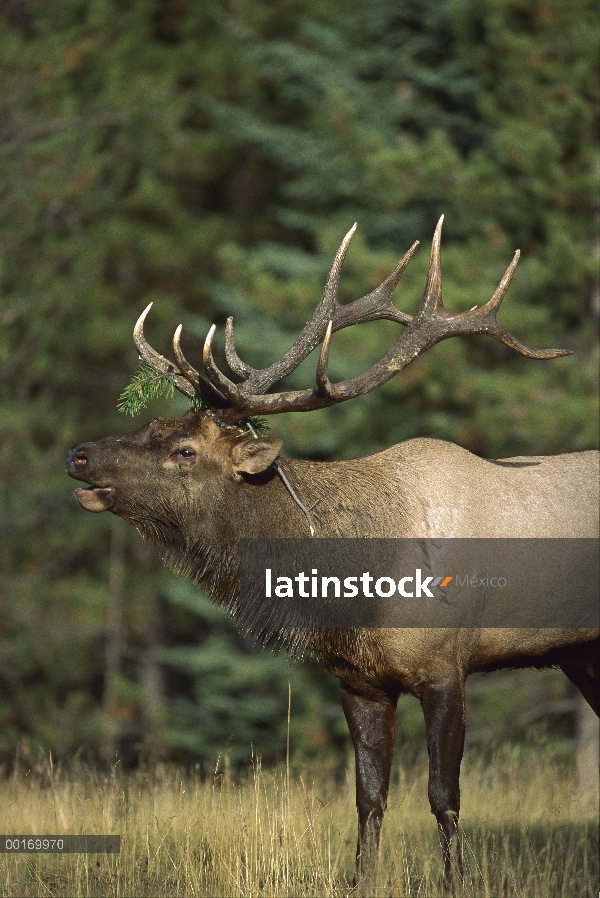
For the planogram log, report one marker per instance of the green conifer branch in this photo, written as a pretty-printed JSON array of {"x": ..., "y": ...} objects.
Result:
[
  {"x": 146, "y": 384},
  {"x": 149, "y": 383}
]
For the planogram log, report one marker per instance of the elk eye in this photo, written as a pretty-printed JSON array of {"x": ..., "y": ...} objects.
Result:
[{"x": 186, "y": 453}]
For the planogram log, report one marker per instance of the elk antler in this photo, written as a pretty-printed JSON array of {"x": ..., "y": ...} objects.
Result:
[{"x": 431, "y": 324}]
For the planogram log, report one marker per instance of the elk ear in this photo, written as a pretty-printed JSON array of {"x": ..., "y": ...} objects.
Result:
[{"x": 255, "y": 456}]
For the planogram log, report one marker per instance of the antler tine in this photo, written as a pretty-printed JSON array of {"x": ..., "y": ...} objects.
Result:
[
  {"x": 215, "y": 376},
  {"x": 432, "y": 297},
  {"x": 144, "y": 349},
  {"x": 522, "y": 348},
  {"x": 186, "y": 369},
  {"x": 158, "y": 361},
  {"x": 323, "y": 382},
  {"x": 493, "y": 304},
  {"x": 313, "y": 332},
  {"x": 233, "y": 360},
  {"x": 329, "y": 295}
]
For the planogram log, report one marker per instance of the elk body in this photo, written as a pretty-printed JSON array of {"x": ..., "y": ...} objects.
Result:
[{"x": 199, "y": 484}]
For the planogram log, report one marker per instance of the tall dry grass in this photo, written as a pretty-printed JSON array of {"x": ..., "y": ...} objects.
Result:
[{"x": 528, "y": 832}]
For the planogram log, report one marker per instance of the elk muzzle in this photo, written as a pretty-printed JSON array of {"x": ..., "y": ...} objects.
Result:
[{"x": 93, "y": 498}]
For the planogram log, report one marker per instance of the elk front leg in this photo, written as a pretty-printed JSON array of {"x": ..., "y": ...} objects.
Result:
[
  {"x": 372, "y": 723},
  {"x": 444, "y": 709}
]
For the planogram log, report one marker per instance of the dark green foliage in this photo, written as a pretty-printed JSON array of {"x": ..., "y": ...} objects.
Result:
[
  {"x": 231, "y": 698},
  {"x": 209, "y": 157}
]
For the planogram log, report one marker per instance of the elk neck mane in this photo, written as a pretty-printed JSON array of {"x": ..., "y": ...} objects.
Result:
[{"x": 340, "y": 496}]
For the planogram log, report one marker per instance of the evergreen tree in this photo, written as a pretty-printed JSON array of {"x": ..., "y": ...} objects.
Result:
[{"x": 210, "y": 157}]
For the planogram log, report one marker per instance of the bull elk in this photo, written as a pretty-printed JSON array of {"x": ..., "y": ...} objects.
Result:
[{"x": 197, "y": 485}]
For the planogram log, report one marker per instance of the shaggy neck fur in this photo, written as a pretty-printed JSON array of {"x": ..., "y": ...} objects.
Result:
[{"x": 341, "y": 506}]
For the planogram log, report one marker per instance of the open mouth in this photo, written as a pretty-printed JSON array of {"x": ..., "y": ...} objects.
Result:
[{"x": 94, "y": 498}]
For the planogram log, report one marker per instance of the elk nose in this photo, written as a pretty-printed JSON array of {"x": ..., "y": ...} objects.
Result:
[{"x": 77, "y": 459}]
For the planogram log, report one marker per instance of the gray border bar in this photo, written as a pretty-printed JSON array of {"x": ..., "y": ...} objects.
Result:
[{"x": 82, "y": 844}]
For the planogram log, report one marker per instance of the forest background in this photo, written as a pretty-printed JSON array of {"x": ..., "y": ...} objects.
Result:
[{"x": 210, "y": 157}]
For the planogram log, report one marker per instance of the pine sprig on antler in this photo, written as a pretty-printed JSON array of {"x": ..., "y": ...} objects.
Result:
[
  {"x": 149, "y": 383},
  {"x": 146, "y": 384}
]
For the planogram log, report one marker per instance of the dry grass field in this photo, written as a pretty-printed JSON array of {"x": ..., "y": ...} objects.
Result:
[{"x": 528, "y": 832}]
